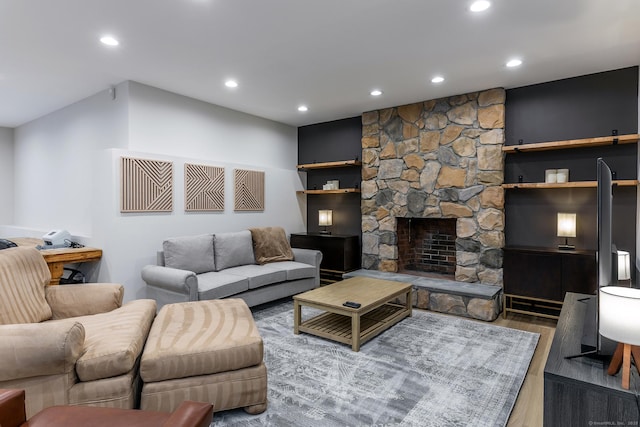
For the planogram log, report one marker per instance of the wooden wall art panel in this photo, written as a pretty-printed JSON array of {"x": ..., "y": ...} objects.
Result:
[
  {"x": 249, "y": 190},
  {"x": 203, "y": 188},
  {"x": 146, "y": 185}
]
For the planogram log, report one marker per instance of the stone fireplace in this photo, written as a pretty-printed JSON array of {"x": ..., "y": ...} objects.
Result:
[{"x": 439, "y": 159}]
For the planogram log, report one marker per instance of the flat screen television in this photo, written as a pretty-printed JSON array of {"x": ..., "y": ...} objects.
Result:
[
  {"x": 594, "y": 344},
  {"x": 605, "y": 233}
]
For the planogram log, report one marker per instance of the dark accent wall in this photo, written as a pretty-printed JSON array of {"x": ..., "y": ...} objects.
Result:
[
  {"x": 581, "y": 107},
  {"x": 328, "y": 142}
]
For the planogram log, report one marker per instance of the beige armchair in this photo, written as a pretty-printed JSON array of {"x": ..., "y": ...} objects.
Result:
[{"x": 69, "y": 344}]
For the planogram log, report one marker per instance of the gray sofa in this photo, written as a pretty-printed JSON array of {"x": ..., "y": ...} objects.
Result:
[{"x": 213, "y": 266}]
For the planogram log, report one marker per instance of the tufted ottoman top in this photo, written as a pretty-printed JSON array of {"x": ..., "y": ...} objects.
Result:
[{"x": 201, "y": 338}]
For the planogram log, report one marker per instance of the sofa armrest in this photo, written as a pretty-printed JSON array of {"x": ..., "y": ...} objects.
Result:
[
  {"x": 311, "y": 257},
  {"x": 191, "y": 414},
  {"x": 307, "y": 256},
  {"x": 12, "y": 412},
  {"x": 172, "y": 279},
  {"x": 34, "y": 349},
  {"x": 81, "y": 300}
]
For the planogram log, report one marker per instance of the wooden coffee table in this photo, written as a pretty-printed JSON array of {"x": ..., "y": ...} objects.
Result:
[{"x": 352, "y": 325}]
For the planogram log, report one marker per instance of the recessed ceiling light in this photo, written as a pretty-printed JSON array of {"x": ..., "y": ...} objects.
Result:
[
  {"x": 376, "y": 92},
  {"x": 479, "y": 6},
  {"x": 437, "y": 79},
  {"x": 514, "y": 63},
  {"x": 109, "y": 41},
  {"x": 231, "y": 83},
  {"x": 303, "y": 108}
]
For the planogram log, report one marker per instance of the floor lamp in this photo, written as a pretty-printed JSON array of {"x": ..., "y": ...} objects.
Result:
[{"x": 619, "y": 320}]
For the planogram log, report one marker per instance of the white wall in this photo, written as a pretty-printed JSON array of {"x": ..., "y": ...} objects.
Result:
[
  {"x": 166, "y": 123},
  {"x": 6, "y": 176},
  {"x": 54, "y": 169},
  {"x": 150, "y": 123}
]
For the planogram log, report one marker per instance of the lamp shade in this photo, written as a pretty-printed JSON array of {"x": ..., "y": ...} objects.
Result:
[
  {"x": 624, "y": 266},
  {"x": 325, "y": 217},
  {"x": 566, "y": 225},
  {"x": 620, "y": 314}
]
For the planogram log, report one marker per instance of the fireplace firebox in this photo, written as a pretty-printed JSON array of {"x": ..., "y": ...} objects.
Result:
[{"x": 427, "y": 245}]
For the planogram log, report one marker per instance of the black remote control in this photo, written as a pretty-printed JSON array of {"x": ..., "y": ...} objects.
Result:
[{"x": 352, "y": 304}]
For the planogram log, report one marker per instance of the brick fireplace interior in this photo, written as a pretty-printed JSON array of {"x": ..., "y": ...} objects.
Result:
[{"x": 427, "y": 246}]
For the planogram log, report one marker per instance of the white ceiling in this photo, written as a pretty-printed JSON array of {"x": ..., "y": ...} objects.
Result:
[{"x": 327, "y": 54}]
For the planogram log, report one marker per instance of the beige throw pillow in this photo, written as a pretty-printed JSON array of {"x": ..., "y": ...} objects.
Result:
[{"x": 270, "y": 244}]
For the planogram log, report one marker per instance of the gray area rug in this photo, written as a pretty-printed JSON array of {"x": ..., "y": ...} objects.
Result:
[{"x": 428, "y": 370}]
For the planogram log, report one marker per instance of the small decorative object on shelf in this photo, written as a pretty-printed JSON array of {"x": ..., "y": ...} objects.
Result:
[
  {"x": 562, "y": 175},
  {"x": 566, "y": 229},
  {"x": 551, "y": 176}
]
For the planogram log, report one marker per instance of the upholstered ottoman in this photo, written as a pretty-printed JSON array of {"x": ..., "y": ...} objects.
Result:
[{"x": 207, "y": 351}]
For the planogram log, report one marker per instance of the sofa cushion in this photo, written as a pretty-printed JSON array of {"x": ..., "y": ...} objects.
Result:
[
  {"x": 270, "y": 244},
  {"x": 215, "y": 285},
  {"x": 193, "y": 253},
  {"x": 295, "y": 270},
  {"x": 23, "y": 276},
  {"x": 258, "y": 275},
  {"x": 202, "y": 337},
  {"x": 114, "y": 340},
  {"x": 233, "y": 249}
]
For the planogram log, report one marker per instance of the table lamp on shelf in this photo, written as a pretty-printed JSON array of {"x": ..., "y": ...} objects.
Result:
[
  {"x": 325, "y": 219},
  {"x": 619, "y": 320},
  {"x": 566, "y": 229}
]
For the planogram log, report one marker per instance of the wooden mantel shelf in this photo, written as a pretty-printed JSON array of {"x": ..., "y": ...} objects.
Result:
[
  {"x": 338, "y": 191},
  {"x": 573, "y": 143},
  {"x": 327, "y": 165},
  {"x": 575, "y": 184}
]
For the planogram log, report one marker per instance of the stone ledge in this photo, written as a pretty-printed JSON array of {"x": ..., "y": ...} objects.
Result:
[{"x": 474, "y": 300}]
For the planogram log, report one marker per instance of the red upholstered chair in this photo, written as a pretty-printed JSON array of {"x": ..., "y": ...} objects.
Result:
[{"x": 12, "y": 414}]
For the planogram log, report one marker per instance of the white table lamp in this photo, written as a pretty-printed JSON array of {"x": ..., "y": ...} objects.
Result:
[
  {"x": 566, "y": 228},
  {"x": 325, "y": 218},
  {"x": 619, "y": 320}
]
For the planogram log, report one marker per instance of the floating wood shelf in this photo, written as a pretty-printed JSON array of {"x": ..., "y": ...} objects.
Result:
[
  {"x": 338, "y": 191},
  {"x": 576, "y": 184},
  {"x": 327, "y": 165},
  {"x": 573, "y": 143}
]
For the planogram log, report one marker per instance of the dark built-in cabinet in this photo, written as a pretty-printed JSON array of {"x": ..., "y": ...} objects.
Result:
[
  {"x": 537, "y": 279},
  {"x": 340, "y": 254}
]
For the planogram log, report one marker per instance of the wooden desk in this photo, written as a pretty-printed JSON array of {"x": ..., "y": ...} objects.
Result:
[{"x": 57, "y": 258}]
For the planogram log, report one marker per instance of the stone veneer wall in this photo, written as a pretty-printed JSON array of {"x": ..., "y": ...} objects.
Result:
[{"x": 436, "y": 159}]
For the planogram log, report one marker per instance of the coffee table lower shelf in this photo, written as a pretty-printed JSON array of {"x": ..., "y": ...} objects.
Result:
[{"x": 338, "y": 327}]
